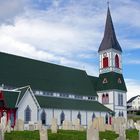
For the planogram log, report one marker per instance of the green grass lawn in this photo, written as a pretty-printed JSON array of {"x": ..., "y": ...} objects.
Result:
[
  {"x": 67, "y": 135},
  {"x": 135, "y": 118}
]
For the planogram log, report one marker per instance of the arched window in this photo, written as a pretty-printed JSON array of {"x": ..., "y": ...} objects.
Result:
[
  {"x": 117, "y": 61},
  {"x": 27, "y": 114},
  {"x": 106, "y": 119},
  {"x": 103, "y": 98},
  {"x": 107, "y": 99},
  {"x": 119, "y": 114},
  {"x": 93, "y": 116},
  {"x": 79, "y": 117},
  {"x": 12, "y": 118},
  {"x": 105, "y": 62},
  {"x": 43, "y": 117},
  {"x": 62, "y": 117},
  {"x": 122, "y": 114}
]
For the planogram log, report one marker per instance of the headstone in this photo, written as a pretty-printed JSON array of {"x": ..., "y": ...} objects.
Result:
[
  {"x": 108, "y": 127},
  {"x": 39, "y": 125},
  {"x": 3, "y": 122},
  {"x": 92, "y": 133},
  {"x": 70, "y": 125},
  {"x": 54, "y": 125},
  {"x": 131, "y": 124},
  {"x": 101, "y": 124},
  {"x": 65, "y": 125},
  {"x": 20, "y": 125},
  {"x": 8, "y": 127},
  {"x": 90, "y": 123},
  {"x": 43, "y": 134},
  {"x": 36, "y": 126},
  {"x": 77, "y": 124},
  {"x": 96, "y": 124},
  {"x": 122, "y": 135},
  {"x": 1, "y": 135},
  {"x": 116, "y": 125},
  {"x": 31, "y": 127}
]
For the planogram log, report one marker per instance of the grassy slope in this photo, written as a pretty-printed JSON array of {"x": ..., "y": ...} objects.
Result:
[{"x": 67, "y": 135}]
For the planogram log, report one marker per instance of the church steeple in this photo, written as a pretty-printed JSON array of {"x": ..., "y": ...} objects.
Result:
[
  {"x": 110, "y": 51},
  {"x": 109, "y": 40},
  {"x": 111, "y": 88}
]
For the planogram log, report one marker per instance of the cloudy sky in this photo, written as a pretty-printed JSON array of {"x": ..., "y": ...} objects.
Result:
[{"x": 69, "y": 32}]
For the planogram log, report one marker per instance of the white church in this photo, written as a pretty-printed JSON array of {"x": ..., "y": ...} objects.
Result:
[{"x": 33, "y": 90}]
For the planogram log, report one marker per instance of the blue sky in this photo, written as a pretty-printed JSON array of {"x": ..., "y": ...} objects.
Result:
[{"x": 69, "y": 32}]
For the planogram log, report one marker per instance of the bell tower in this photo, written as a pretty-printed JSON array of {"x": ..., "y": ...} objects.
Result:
[
  {"x": 111, "y": 88},
  {"x": 110, "y": 52}
]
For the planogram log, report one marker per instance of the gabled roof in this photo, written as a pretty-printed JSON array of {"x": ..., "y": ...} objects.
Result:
[
  {"x": 109, "y": 40},
  {"x": 111, "y": 81},
  {"x": 72, "y": 104},
  {"x": 133, "y": 98},
  {"x": 19, "y": 71},
  {"x": 10, "y": 98},
  {"x": 22, "y": 91}
]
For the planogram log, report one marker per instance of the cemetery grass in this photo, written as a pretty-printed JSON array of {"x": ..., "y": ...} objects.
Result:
[
  {"x": 134, "y": 118},
  {"x": 66, "y": 135},
  {"x": 132, "y": 134}
]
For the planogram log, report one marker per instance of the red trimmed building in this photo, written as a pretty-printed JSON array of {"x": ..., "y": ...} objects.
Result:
[{"x": 62, "y": 92}]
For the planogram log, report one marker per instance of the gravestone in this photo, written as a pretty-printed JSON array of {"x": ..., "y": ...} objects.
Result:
[
  {"x": 31, "y": 127},
  {"x": 90, "y": 123},
  {"x": 39, "y": 125},
  {"x": 43, "y": 134},
  {"x": 101, "y": 124},
  {"x": 20, "y": 125},
  {"x": 116, "y": 124},
  {"x": 8, "y": 127},
  {"x": 92, "y": 133},
  {"x": 96, "y": 124},
  {"x": 108, "y": 127},
  {"x": 77, "y": 124},
  {"x": 122, "y": 135},
  {"x": 65, "y": 125},
  {"x": 70, "y": 125},
  {"x": 36, "y": 126},
  {"x": 3, "y": 122},
  {"x": 54, "y": 125},
  {"x": 1, "y": 135},
  {"x": 131, "y": 124}
]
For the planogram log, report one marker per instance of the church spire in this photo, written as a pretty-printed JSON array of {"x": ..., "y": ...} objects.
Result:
[{"x": 109, "y": 40}]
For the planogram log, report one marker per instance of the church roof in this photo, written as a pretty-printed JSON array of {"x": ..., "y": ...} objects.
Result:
[
  {"x": 10, "y": 98},
  {"x": 133, "y": 98},
  {"x": 19, "y": 71},
  {"x": 22, "y": 91},
  {"x": 111, "y": 81},
  {"x": 72, "y": 104},
  {"x": 109, "y": 40}
]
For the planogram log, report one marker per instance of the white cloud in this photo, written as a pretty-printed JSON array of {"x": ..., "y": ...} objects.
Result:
[
  {"x": 68, "y": 35},
  {"x": 133, "y": 87},
  {"x": 137, "y": 62},
  {"x": 10, "y": 9}
]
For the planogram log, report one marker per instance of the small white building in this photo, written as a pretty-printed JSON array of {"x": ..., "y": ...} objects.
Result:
[{"x": 134, "y": 103}]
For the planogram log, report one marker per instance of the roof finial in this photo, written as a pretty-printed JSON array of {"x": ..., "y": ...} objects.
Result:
[{"x": 108, "y": 3}]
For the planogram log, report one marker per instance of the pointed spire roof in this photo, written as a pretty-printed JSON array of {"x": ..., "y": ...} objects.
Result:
[{"x": 109, "y": 40}]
